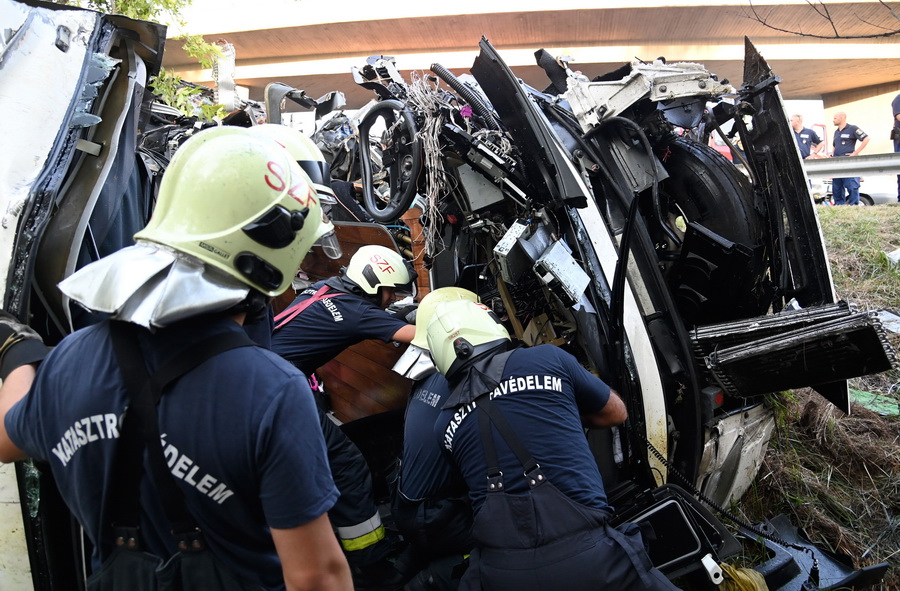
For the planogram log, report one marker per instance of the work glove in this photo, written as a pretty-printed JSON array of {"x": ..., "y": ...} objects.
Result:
[{"x": 19, "y": 345}]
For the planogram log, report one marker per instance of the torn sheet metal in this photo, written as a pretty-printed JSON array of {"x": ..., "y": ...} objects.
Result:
[{"x": 29, "y": 47}]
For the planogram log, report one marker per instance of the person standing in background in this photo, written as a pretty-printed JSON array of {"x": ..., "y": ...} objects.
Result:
[
  {"x": 807, "y": 139},
  {"x": 846, "y": 190},
  {"x": 895, "y": 133}
]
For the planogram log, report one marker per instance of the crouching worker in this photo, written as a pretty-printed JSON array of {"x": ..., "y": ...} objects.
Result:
[
  {"x": 513, "y": 426},
  {"x": 430, "y": 502},
  {"x": 323, "y": 320},
  {"x": 235, "y": 485}
]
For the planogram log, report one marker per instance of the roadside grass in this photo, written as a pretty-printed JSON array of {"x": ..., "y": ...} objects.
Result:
[{"x": 837, "y": 475}]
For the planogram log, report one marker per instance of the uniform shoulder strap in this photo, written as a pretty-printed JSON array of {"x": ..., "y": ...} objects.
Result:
[
  {"x": 140, "y": 429},
  {"x": 293, "y": 311}
]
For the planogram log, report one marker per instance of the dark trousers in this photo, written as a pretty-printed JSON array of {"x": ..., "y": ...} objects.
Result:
[
  {"x": 356, "y": 505},
  {"x": 897, "y": 149},
  {"x": 845, "y": 191},
  {"x": 544, "y": 540}
]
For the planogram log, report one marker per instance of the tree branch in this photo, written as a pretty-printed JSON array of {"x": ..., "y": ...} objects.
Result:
[{"x": 821, "y": 9}]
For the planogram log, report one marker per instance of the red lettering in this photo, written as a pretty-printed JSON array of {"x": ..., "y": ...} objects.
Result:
[
  {"x": 383, "y": 265},
  {"x": 297, "y": 193},
  {"x": 278, "y": 172}
]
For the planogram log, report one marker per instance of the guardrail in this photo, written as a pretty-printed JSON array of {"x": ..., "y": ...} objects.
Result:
[{"x": 854, "y": 165}]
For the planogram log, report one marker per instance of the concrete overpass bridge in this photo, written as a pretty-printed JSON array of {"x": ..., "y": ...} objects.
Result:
[{"x": 311, "y": 44}]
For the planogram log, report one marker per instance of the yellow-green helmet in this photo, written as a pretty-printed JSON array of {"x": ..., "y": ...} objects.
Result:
[
  {"x": 426, "y": 309},
  {"x": 310, "y": 159},
  {"x": 460, "y": 330},
  {"x": 374, "y": 266},
  {"x": 240, "y": 204},
  {"x": 304, "y": 151}
]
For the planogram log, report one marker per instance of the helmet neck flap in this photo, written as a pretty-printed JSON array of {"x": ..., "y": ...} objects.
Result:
[
  {"x": 234, "y": 215},
  {"x": 153, "y": 286},
  {"x": 479, "y": 374}
]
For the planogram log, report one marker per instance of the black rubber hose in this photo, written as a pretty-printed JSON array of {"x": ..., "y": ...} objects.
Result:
[{"x": 467, "y": 94}]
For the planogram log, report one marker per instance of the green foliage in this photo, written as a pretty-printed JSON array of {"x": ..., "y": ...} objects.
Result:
[
  {"x": 201, "y": 50},
  {"x": 782, "y": 403},
  {"x": 186, "y": 98},
  {"x": 166, "y": 85},
  {"x": 146, "y": 10},
  {"x": 212, "y": 112}
]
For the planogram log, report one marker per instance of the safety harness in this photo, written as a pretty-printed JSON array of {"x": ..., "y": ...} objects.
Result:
[{"x": 293, "y": 311}]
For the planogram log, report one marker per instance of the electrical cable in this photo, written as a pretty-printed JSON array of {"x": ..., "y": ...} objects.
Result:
[
  {"x": 814, "y": 571},
  {"x": 428, "y": 106},
  {"x": 469, "y": 95}
]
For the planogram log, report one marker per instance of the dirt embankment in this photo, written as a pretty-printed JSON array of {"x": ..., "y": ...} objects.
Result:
[{"x": 838, "y": 475}]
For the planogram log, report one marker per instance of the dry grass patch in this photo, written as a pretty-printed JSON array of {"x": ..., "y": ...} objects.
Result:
[{"x": 837, "y": 475}]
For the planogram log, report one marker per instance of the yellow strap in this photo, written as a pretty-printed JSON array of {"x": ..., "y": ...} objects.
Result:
[
  {"x": 364, "y": 541},
  {"x": 11, "y": 340},
  {"x": 742, "y": 579}
]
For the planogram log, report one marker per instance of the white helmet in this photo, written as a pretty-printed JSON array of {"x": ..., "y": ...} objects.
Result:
[
  {"x": 428, "y": 304},
  {"x": 460, "y": 330},
  {"x": 373, "y": 266},
  {"x": 238, "y": 203},
  {"x": 305, "y": 152}
]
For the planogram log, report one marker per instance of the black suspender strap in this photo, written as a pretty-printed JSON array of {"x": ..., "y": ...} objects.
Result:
[
  {"x": 489, "y": 414},
  {"x": 487, "y": 442},
  {"x": 140, "y": 428}
]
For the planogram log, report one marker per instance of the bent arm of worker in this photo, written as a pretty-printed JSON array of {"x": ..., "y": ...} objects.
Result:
[
  {"x": 311, "y": 558},
  {"x": 598, "y": 404},
  {"x": 405, "y": 334},
  {"x": 375, "y": 323},
  {"x": 612, "y": 414},
  {"x": 14, "y": 388},
  {"x": 862, "y": 146}
]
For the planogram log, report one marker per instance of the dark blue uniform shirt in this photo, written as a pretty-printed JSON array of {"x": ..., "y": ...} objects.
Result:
[
  {"x": 240, "y": 434},
  {"x": 845, "y": 139},
  {"x": 895, "y": 109},
  {"x": 424, "y": 471},
  {"x": 543, "y": 393},
  {"x": 806, "y": 138},
  {"x": 329, "y": 326}
]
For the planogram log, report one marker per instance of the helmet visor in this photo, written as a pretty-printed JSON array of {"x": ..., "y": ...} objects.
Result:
[{"x": 330, "y": 245}]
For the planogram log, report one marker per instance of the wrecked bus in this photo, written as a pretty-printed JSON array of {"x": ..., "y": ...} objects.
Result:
[{"x": 590, "y": 214}]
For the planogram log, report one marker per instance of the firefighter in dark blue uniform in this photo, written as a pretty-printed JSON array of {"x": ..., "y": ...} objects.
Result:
[
  {"x": 336, "y": 314},
  {"x": 253, "y": 471},
  {"x": 513, "y": 426},
  {"x": 430, "y": 504},
  {"x": 320, "y": 323}
]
